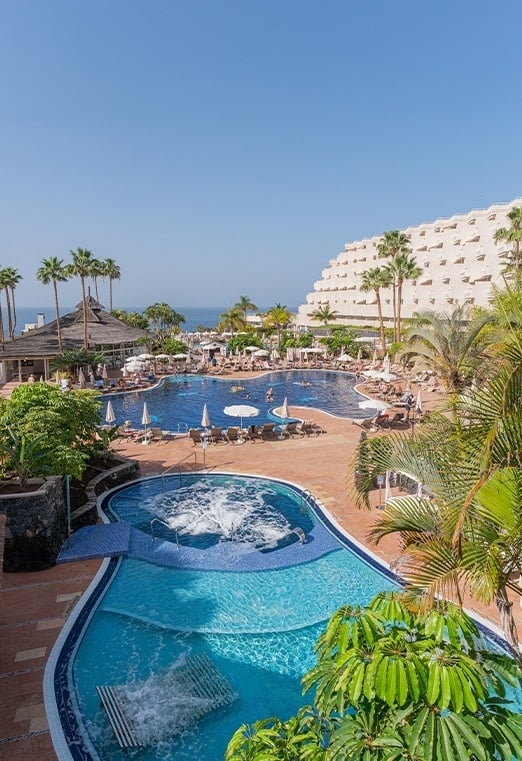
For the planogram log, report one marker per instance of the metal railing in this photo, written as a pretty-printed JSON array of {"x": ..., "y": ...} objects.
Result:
[
  {"x": 306, "y": 498},
  {"x": 163, "y": 523},
  {"x": 178, "y": 466}
]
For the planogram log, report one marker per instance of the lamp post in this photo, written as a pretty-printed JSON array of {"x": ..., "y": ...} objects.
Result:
[{"x": 68, "y": 505}]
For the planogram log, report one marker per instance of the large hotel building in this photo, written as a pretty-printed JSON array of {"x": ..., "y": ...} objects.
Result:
[{"x": 458, "y": 257}]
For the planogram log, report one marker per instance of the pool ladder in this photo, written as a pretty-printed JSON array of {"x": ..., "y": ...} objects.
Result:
[
  {"x": 306, "y": 497},
  {"x": 158, "y": 520}
]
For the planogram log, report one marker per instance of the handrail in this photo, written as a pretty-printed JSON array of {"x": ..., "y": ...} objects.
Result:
[
  {"x": 178, "y": 465},
  {"x": 306, "y": 496},
  {"x": 163, "y": 523}
]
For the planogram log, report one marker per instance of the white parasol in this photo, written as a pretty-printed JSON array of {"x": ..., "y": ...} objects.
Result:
[
  {"x": 387, "y": 488},
  {"x": 105, "y": 374},
  {"x": 261, "y": 353},
  {"x": 418, "y": 403},
  {"x": 284, "y": 410},
  {"x": 81, "y": 378},
  {"x": 205, "y": 420},
  {"x": 110, "y": 417},
  {"x": 241, "y": 411},
  {"x": 145, "y": 418}
]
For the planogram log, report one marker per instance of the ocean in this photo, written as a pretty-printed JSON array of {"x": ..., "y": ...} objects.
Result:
[{"x": 207, "y": 317}]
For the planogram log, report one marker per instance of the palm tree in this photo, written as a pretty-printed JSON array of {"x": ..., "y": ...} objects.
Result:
[
  {"x": 512, "y": 235},
  {"x": 82, "y": 260},
  {"x": 468, "y": 535},
  {"x": 232, "y": 320},
  {"x": 113, "y": 272},
  {"x": 324, "y": 314},
  {"x": 245, "y": 304},
  {"x": 97, "y": 270},
  {"x": 53, "y": 271},
  {"x": 373, "y": 280},
  {"x": 450, "y": 345},
  {"x": 392, "y": 244},
  {"x": 402, "y": 267},
  {"x": 9, "y": 279},
  {"x": 2, "y": 334},
  {"x": 277, "y": 317}
]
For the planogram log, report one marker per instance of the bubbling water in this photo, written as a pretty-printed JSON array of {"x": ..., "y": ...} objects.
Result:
[{"x": 203, "y": 515}]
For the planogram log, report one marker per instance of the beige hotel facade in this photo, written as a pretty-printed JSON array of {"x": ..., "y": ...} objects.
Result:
[{"x": 459, "y": 260}]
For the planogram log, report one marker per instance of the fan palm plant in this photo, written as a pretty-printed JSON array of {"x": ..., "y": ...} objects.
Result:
[
  {"x": 113, "y": 272},
  {"x": 82, "y": 261},
  {"x": 513, "y": 236},
  {"x": 392, "y": 244}
]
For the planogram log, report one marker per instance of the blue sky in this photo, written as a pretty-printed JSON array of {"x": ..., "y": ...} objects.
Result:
[{"x": 216, "y": 149}]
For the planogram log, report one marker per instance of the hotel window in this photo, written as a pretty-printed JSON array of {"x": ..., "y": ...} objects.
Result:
[
  {"x": 423, "y": 248},
  {"x": 457, "y": 242},
  {"x": 460, "y": 260},
  {"x": 472, "y": 221},
  {"x": 422, "y": 233},
  {"x": 446, "y": 281},
  {"x": 475, "y": 239},
  {"x": 492, "y": 217},
  {"x": 442, "y": 262}
]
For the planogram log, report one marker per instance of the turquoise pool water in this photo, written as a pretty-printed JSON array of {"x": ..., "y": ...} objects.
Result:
[{"x": 257, "y": 626}]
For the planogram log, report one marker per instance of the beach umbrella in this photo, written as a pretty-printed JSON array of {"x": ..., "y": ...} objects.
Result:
[
  {"x": 105, "y": 374},
  {"x": 373, "y": 404},
  {"x": 145, "y": 418},
  {"x": 345, "y": 358},
  {"x": 284, "y": 410},
  {"x": 124, "y": 371},
  {"x": 205, "y": 420},
  {"x": 386, "y": 364},
  {"x": 375, "y": 357},
  {"x": 418, "y": 403},
  {"x": 241, "y": 411},
  {"x": 274, "y": 354},
  {"x": 145, "y": 356},
  {"x": 180, "y": 356},
  {"x": 261, "y": 353},
  {"x": 387, "y": 488},
  {"x": 81, "y": 378},
  {"x": 110, "y": 417},
  {"x": 359, "y": 354}
]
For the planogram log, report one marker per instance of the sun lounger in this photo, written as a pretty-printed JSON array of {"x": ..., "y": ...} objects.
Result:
[
  {"x": 195, "y": 435},
  {"x": 267, "y": 432}
]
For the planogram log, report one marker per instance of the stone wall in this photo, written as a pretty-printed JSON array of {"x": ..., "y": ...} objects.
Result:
[
  {"x": 36, "y": 526},
  {"x": 36, "y": 522}
]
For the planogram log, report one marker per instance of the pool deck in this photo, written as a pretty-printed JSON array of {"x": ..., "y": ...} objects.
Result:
[{"x": 35, "y": 606}]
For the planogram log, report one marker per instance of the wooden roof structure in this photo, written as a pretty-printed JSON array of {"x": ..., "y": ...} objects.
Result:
[{"x": 103, "y": 331}]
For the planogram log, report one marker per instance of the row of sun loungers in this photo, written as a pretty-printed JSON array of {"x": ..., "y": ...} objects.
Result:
[{"x": 265, "y": 432}]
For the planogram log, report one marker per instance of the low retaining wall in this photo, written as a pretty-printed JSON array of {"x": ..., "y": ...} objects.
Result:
[{"x": 36, "y": 522}]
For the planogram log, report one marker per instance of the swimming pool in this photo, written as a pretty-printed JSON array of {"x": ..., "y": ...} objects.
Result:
[
  {"x": 176, "y": 404},
  {"x": 256, "y": 614}
]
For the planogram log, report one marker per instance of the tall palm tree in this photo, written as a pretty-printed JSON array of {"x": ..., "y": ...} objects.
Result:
[
  {"x": 392, "y": 244},
  {"x": 53, "y": 271},
  {"x": 448, "y": 344},
  {"x": 232, "y": 320},
  {"x": 277, "y": 317},
  {"x": 97, "y": 271},
  {"x": 2, "y": 333},
  {"x": 402, "y": 267},
  {"x": 113, "y": 272},
  {"x": 512, "y": 235},
  {"x": 245, "y": 304},
  {"x": 9, "y": 279},
  {"x": 373, "y": 280},
  {"x": 81, "y": 265}
]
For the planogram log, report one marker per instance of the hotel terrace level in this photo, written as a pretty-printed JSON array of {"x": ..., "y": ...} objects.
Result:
[{"x": 459, "y": 258}]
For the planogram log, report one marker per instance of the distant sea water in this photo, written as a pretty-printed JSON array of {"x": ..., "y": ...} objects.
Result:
[{"x": 207, "y": 317}]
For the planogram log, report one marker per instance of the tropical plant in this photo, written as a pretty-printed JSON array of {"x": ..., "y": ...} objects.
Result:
[
  {"x": 469, "y": 457},
  {"x": 401, "y": 268},
  {"x": 449, "y": 344},
  {"x": 71, "y": 359},
  {"x": 96, "y": 271},
  {"x": 392, "y": 244},
  {"x": 111, "y": 270},
  {"x": 373, "y": 280},
  {"x": 9, "y": 279},
  {"x": 513, "y": 236},
  {"x": 134, "y": 319},
  {"x": 81, "y": 266},
  {"x": 245, "y": 304},
  {"x": 26, "y": 455},
  {"x": 53, "y": 271},
  {"x": 168, "y": 345},
  {"x": 324, "y": 314},
  {"x": 341, "y": 339},
  {"x": 277, "y": 317},
  {"x": 163, "y": 319},
  {"x": 233, "y": 320},
  {"x": 394, "y": 685}
]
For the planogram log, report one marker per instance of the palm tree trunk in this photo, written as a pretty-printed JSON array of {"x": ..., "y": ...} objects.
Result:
[
  {"x": 57, "y": 310},
  {"x": 394, "y": 291},
  {"x": 381, "y": 321},
  {"x": 84, "y": 301},
  {"x": 9, "y": 315},
  {"x": 110, "y": 293},
  {"x": 14, "y": 311},
  {"x": 2, "y": 336},
  {"x": 509, "y": 627},
  {"x": 398, "y": 319}
]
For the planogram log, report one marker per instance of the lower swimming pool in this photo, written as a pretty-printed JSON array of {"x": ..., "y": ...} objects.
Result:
[{"x": 256, "y": 615}]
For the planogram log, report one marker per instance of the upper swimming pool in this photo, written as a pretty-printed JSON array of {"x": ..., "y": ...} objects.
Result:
[{"x": 176, "y": 404}]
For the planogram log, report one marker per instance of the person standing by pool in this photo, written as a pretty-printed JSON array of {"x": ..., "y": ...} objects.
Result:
[{"x": 270, "y": 394}]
